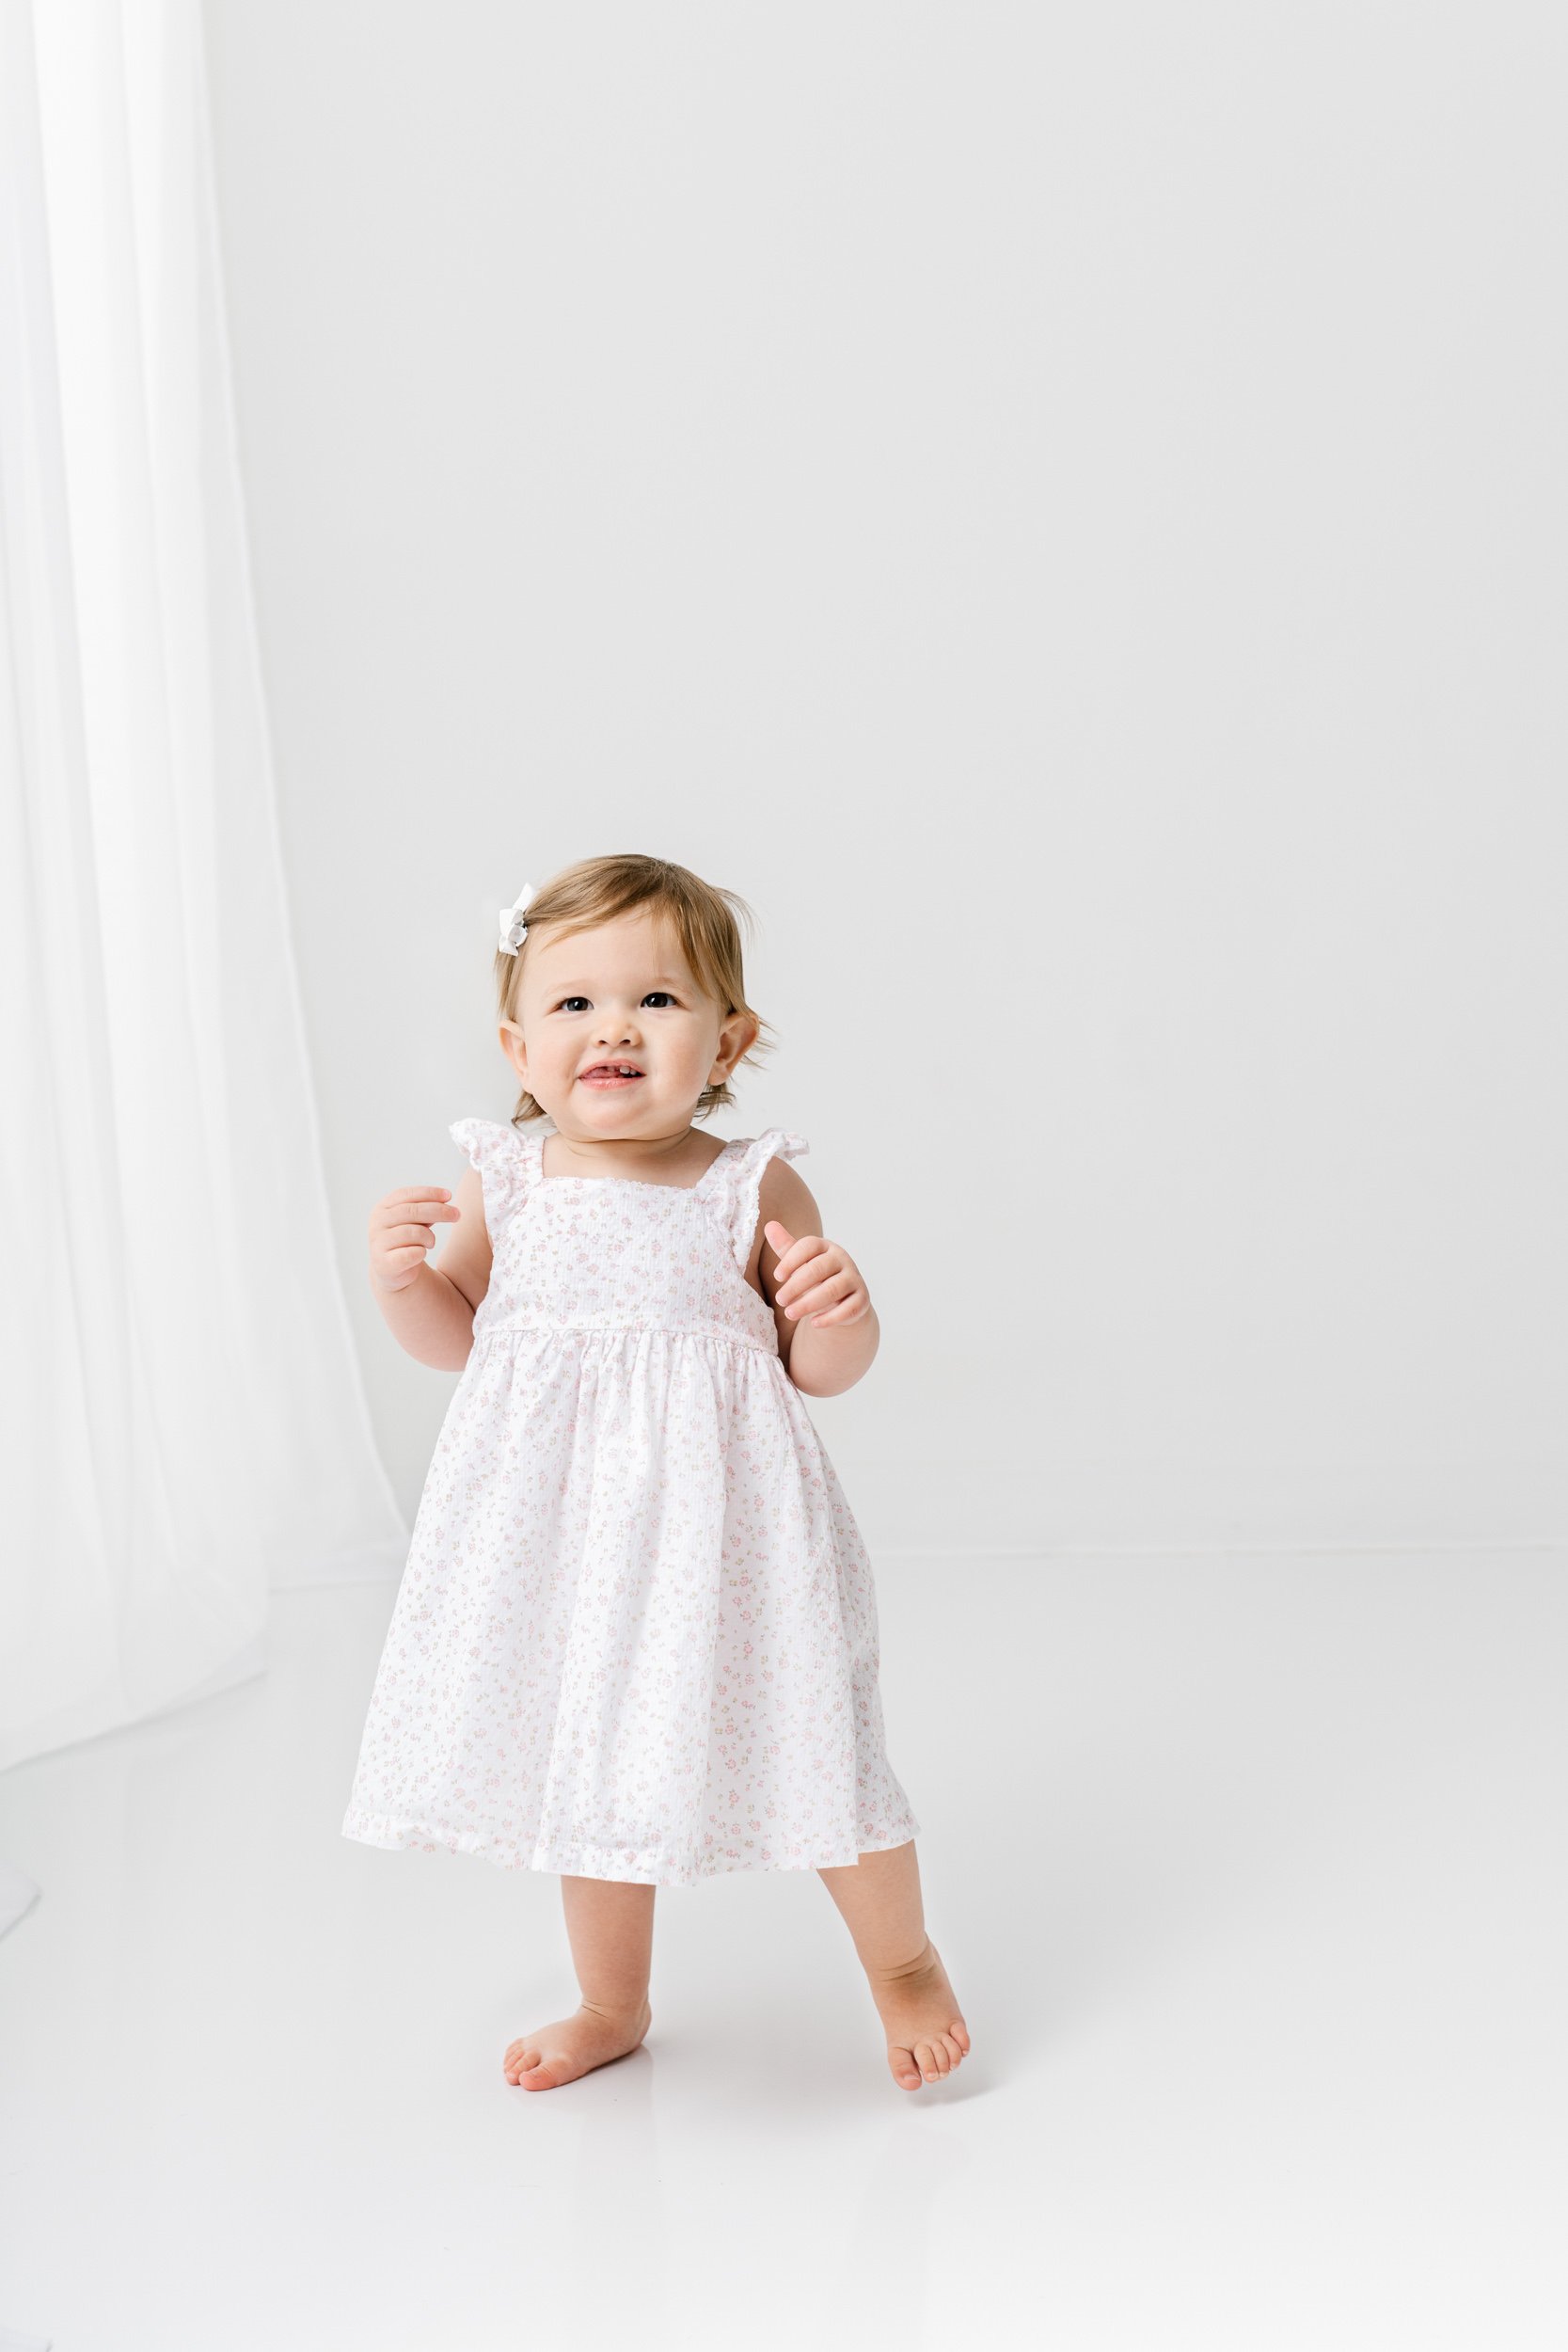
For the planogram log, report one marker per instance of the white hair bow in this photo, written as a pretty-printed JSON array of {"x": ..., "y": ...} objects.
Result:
[{"x": 514, "y": 928}]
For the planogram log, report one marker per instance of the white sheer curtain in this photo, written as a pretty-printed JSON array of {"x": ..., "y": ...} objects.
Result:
[{"x": 183, "y": 1419}]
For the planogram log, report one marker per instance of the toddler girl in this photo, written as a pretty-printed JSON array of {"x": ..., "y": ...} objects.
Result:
[{"x": 636, "y": 1639}]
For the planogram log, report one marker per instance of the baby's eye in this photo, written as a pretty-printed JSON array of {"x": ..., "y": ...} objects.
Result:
[{"x": 567, "y": 1002}]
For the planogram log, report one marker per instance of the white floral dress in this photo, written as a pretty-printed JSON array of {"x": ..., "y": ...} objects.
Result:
[{"x": 636, "y": 1637}]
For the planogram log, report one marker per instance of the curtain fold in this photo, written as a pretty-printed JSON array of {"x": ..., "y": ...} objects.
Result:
[{"x": 185, "y": 1420}]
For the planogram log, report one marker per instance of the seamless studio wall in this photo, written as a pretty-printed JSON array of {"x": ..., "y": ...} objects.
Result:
[{"x": 1059, "y": 510}]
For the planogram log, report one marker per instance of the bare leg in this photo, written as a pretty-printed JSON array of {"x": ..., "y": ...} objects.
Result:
[
  {"x": 879, "y": 1898},
  {"x": 609, "y": 1924}
]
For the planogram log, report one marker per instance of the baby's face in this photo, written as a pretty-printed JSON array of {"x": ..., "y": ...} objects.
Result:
[{"x": 621, "y": 993}]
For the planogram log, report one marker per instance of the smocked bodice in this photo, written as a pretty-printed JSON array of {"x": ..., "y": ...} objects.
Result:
[{"x": 591, "y": 1253}]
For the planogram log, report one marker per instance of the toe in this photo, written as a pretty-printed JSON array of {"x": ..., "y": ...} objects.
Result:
[
  {"x": 953, "y": 2046},
  {"x": 904, "y": 2068},
  {"x": 926, "y": 2062},
  {"x": 959, "y": 2032},
  {"x": 938, "y": 2053}
]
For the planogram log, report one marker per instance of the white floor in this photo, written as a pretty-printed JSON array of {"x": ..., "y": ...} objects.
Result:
[{"x": 1250, "y": 1874}]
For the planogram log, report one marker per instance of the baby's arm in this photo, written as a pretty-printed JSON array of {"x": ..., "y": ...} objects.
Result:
[
  {"x": 825, "y": 1358},
  {"x": 429, "y": 1310}
]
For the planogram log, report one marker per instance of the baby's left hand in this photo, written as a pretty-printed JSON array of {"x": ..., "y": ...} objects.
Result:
[{"x": 813, "y": 1274}]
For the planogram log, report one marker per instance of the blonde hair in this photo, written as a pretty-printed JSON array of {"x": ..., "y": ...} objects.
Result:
[{"x": 598, "y": 890}]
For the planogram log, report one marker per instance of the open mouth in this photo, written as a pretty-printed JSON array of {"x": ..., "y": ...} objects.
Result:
[{"x": 612, "y": 1073}]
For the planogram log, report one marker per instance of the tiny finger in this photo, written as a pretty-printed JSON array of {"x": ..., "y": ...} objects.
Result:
[{"x": 821, "y": 1294}]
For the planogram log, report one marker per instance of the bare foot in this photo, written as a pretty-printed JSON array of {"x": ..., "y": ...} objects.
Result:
[
  {"x": 574, "y": 2045},
  {"x": 927, "y": 2037}
]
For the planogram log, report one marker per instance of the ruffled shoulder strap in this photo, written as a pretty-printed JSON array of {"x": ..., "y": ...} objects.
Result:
[
  {"x": 508, "y": 1160},
  {"x": 735, "y": 1181}
]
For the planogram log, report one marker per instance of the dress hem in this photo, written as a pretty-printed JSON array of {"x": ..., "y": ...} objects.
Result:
[{"x": 600, "y": 1862}]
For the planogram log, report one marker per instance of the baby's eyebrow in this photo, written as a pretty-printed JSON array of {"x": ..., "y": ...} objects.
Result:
[{"x": 580, "y": 988}]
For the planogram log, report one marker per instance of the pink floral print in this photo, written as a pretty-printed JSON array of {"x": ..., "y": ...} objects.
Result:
[{"x": 636, "y": 1637}]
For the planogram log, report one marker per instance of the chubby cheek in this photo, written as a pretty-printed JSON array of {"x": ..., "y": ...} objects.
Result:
[
  {"x": 556, "y": 1073},
  {"x": 681, "y": 1060}
]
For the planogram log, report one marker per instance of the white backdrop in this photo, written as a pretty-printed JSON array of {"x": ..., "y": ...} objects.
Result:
[{"x": 1064, "y": 513}]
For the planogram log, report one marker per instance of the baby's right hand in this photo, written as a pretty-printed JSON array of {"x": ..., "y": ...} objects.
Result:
[{"x": 402, "y": 1228}]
